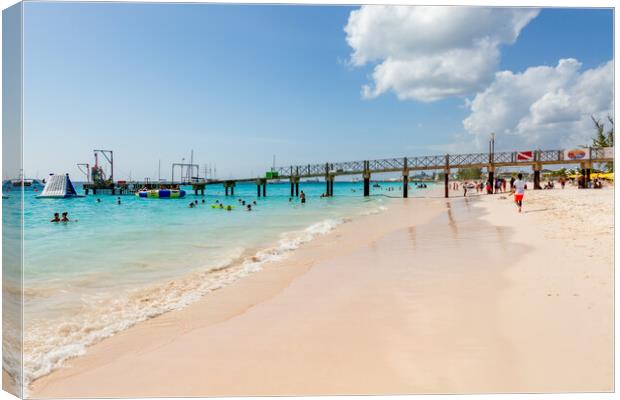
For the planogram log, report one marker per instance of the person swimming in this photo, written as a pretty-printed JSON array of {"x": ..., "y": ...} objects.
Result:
[
  {"x": 191, "y": 205},
  {"x": 56, "y": 218},
  {"x": 228, "y": 208},
  {"x": 65, "y": 218},
  {"x": 98, "y": 200},
  {"x": 254, "y": 202},
  {"x": 302, "y": 196},
  {"x": 118, "y": 200},
  {"x": 243, "y": 203},
  {"x": 203, "y": 201},
  {"x": 221, "y": 205},
  {"x": 249, "y": 207}
]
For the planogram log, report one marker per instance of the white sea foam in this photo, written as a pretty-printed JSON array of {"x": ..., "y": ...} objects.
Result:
[{"x": 48, "y": 344}]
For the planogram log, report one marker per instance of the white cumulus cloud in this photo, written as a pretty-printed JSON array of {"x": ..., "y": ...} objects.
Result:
[
  {"x": 544, "y": 106},
  {"x": 430, "y": 53}
]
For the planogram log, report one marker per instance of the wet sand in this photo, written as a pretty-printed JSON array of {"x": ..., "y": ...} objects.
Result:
[{"x": 432, "y": 296}]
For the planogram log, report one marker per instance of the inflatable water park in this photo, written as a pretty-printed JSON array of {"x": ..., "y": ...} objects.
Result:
[
  {"x": 58, "y": 186},
  {"x": 161, "y": 193}
]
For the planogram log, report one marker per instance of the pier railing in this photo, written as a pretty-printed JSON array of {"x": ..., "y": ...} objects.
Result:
[{"x": 440, "y": 162}]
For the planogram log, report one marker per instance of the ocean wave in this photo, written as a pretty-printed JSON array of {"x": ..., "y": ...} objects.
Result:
[{"x": 48, "y": 344}]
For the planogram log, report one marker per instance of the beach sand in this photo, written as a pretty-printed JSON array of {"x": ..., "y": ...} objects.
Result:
[{"x": 432, "y": 296}]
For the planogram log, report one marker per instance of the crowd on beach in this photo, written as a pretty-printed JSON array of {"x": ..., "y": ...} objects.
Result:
[{"x": 518, "y": 186}]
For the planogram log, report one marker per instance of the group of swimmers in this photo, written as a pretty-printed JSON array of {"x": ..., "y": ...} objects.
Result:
[
  {"x": 65, "y": 218},
  {"x": 118, "y": 200},
  {"x": 248, "y": 207},
  {"x": 221, "y": 206}
]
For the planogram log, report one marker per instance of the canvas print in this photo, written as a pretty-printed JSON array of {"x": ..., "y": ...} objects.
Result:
[{"x": 270, "y": 199}]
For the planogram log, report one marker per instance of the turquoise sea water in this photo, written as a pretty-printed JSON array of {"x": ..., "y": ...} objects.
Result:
[{"x": 120, "y": 264}]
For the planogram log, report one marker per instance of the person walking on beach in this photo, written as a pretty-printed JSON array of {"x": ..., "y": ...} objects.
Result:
[
  {"x": 512, "y": 183},
  {"x": 519, "y": 191},
  {"x": 464, "y": 189}
]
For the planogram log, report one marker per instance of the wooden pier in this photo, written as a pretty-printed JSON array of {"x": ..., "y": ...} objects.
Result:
[{"x": 405, "y": 165}]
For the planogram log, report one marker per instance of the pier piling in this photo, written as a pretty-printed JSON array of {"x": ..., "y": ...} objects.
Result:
[
  {"x": 491, "y": 169},
  {"x": 405, "y": 179},
  {"x": 366, "y": 179},
  {"x": 537, "y": 168},
  {"x": 446, "y": 177}
]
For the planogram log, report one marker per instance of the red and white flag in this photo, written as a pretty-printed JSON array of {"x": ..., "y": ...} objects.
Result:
[{"x": 525, "y": 156}]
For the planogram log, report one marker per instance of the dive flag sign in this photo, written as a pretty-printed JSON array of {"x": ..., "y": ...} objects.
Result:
[{"x": 525, "y": 156}]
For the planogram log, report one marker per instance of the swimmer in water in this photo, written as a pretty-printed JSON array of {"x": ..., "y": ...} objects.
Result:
[
  {"x": 243, "y": 203},
  {"x": 203, "y": 201},
  {"x": 254, "y": 202},
  {"x": 118, "y": 200},
  {"x": 98, "y": 200},
  {"x": 228, "y": 208},
  {"x": 191, "y": 205},
  {"x": 302, "y": 196},
  {"x": 56, "y": 218},
  {"x": 221, "y": 205},
  {"x": 249, "y": 207}
]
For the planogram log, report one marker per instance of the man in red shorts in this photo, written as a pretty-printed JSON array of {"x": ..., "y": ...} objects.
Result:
[{"x": 519, "y": 190}]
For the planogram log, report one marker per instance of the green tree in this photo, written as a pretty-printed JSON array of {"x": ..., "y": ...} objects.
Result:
[
  {"x": 469, "y": 173},
  {"x": 602, "y": 138}
]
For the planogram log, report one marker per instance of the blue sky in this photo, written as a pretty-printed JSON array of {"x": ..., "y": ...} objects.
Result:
[{"x": 238, "y": 84}]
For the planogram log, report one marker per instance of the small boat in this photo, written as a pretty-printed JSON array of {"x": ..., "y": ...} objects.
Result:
[{"x": 161, "y": 194}]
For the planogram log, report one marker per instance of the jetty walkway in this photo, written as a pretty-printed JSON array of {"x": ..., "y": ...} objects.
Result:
[{"x": 535, "y": 159}]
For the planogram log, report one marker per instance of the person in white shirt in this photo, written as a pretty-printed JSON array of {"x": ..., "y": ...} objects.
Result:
[{"x": 518, "y": 188}]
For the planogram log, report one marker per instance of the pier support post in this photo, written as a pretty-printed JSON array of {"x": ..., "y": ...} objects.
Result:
[
  {"x": 366, "y": 179},
  {"x": 264, "y": 188},
  {"x": 588, "y": 166},
  {"x": 292, "y": 188},
  {"x": 232, "y": 189},
  {"x": 327, "y": 185},
  {"x": 331, "y": 184},
  {"x": 491, "y": 169},
  {"x": 537, "y": 168},
  {"x": 258, "y": 183},
  {"x": 405, "y": 179},
  {"x": 446, "y": 177},
  {"x": 297, "y": 186},
  {"x": 226, "y": 188}
]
